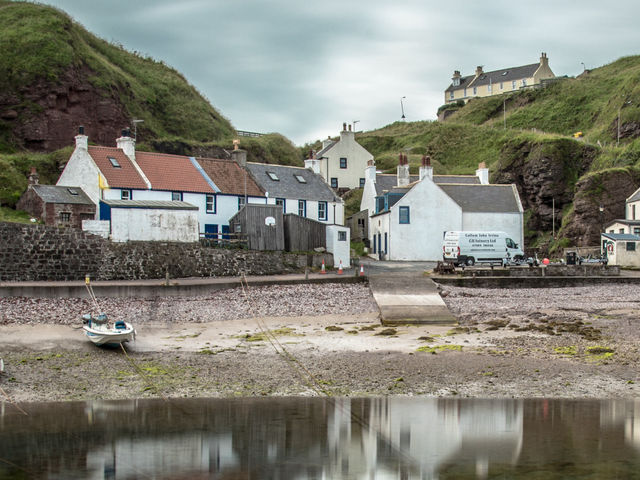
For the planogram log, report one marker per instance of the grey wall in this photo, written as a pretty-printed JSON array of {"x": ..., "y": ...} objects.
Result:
[{"x": 39, "y": 252}]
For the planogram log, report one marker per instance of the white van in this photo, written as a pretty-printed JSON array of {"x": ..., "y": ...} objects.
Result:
[{"x": 468, "y": 248}]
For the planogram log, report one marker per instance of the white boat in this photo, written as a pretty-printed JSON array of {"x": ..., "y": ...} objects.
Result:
[{"x": 102, "y": 332}]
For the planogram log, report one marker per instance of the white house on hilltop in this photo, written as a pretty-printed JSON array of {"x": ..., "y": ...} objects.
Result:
[{"x": 341, "y": 163}]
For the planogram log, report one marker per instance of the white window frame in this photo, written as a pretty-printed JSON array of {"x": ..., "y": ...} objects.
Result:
[{"x": 210, "y": 204}]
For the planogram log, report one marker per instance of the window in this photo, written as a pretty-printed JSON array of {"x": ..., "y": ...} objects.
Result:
[
  {"x": 342, "y": 236},
  {"x": 211, "y": 204},
  {"x": 343, "y": 162},
  {"x": 176, "y": 196},
  {"x": 273, "y": 176},
  {"x": 636, "y": 230},
  {"x": 302, "y": 208},
  {"x": 621, "y": 230},
  {"x": 362, "y": 183},
  {"x": 524, "y": 82},
  {"x": 631, "y": 246},
  {"x": 125, "y": 194},
  {"x": 404, "y": 214},
  {"x": 322, "y": 210},
  {"x": 282, "y": 202},
  {"x": 451, "y": 95},
  {"x": 475, "y": 90},
  {"x": 513, "y": 85},
  {"x": 501, "y": 85},
  {"x": 241, "y": 202},
  {"x": 633, "y": 212},
  {"x": 65, "y": 217},
  {"x": 300, "y": 178},
  {"x": 114, "y": 162},
  {"x": 334, "y": 182}
]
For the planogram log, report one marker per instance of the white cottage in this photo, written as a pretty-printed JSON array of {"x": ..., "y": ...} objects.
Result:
[
  {"x": 341, "y": 163},
  {"x": 408, "y": 220},
  {"x": 217, "y": 188}
]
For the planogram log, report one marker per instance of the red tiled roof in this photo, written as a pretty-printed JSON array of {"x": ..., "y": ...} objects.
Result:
[
  {"x": 126, "y": 176},
  {"x": 229, "y": 177},
  {"x": 172, "y": 172}
]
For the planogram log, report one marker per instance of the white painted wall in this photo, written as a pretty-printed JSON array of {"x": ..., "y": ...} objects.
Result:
[
  {"x": 81, "y": 171},
  {"x": 154, "y": 225},
  {"x": 621, "y": 257},
  {"x": 357, "y": 157},
  {"x": 341, "y": 249},
  {"x": 432, "y": 212},
  {"x": 97, "y": 227},
  {"x": 335, "y": 210}
]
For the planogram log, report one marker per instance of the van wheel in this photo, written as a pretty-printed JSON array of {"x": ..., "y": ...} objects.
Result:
[{"x": 471, "y": 261}]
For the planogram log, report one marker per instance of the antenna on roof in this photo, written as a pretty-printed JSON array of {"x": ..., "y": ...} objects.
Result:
[{"x": 135, "y": 128}]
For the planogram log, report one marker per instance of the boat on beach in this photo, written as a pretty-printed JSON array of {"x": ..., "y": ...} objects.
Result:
[
  {"x": 100, "y": 330},
  {"x": 103, "y": 332}
]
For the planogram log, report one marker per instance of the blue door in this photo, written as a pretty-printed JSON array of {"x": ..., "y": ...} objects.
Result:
[
  {"x": 225, "y": 229},
  {"x": 210, "y": 230},
  {"x": 380, "y": 246}
]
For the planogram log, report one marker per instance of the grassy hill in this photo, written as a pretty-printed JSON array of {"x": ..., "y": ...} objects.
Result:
[
  {"x": 527, "y": 138},
  {"x": 55, "y": 76}
]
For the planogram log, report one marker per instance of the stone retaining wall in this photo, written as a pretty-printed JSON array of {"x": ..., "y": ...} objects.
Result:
[{"x": 39, "y": 252}]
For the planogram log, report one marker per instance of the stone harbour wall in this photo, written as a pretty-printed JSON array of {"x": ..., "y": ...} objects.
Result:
[{"x": 40, "y": 252}]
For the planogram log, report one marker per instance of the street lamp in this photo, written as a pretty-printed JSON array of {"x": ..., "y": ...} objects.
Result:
[
  {"x": 402, "y": 108},
  {"x": 135, "y": 128}
]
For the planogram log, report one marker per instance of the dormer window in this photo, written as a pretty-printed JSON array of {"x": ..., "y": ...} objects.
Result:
[
  {"x": 273, "y": 176},
  {"x": 72, "y": 191},
  {"x": 456, "y": 82},
  {"x": 300, "y": 178},
  {"x": 114, "y": 162},
  {"x": 505, "y": 72}
]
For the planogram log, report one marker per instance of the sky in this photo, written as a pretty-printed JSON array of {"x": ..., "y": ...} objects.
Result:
[{"x": 302, "y": 68}]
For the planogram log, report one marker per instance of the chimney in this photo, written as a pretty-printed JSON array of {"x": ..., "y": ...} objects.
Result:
[
  {"x": 327, "y": 142},
  {"x": 34, "y": 178},
  {"x": 403, "y": 171},
  {"x": 82, "y": 141},
  {"x": 456, "y": 78},
  {"x": 346, "y": 134},
  {"x": 127, "y": 144},
  {"x": 483, "y": 173},
  {"x": 312, "y": 163},
  {"x": 479, "y": 71},
  {"x": 426, "y": 170},
  {"x": 544, "y": 61},
  {"x": 370, "y": 171},
  {"x": 239, "y": 156}
]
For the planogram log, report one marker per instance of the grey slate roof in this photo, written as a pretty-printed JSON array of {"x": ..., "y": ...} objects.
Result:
[
  {"x": 496, "y": 76},
  {"x": 324, "y": 150},
  {"x": 150, "y": 204},
  {"x": 388, "y": 181},
  {"x": 629, "y": 237},
  {"x": 483, "y": 198},
  {"x": 60, "y": 194},
  {"x": 635, "y": 197},
  {"x": 287, "y": 186},
  {"x": 623, "y": 221}
]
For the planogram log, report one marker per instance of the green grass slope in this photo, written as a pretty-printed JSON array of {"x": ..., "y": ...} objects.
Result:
[{"x": 40, "y": 44}]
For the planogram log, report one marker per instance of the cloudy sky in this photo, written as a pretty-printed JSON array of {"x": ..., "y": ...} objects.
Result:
[{"x": 303, "y": 67}]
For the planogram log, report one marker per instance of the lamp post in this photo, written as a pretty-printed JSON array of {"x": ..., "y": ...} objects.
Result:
[
  {"x": 135, "y": 128},
  {"x": 402, "y": 107}
]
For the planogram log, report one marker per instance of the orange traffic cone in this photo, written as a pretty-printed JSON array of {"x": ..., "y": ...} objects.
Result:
[
  {"x": 323, "y": 270},
  {"x": 361, "y": 270},
  {"x": 340, "y": 268}
]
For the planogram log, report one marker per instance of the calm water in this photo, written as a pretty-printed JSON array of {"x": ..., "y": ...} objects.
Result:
[{"x": 309, "y": 438}]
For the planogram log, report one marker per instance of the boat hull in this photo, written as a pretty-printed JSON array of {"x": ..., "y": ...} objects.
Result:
[{"x": 110, "y": 336}]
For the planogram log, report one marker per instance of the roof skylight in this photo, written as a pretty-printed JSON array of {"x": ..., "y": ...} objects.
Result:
[
  {"x": 273, "y": 176},
  {"x": 300, "y": 178},
  {"x": 114, "y": 162}
]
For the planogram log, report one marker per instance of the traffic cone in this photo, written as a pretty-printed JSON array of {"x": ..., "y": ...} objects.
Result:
[
  {"x": 340, "y": 268},
  {"x": 323, "y": 270},
  {"x": 361, "y": 270}
]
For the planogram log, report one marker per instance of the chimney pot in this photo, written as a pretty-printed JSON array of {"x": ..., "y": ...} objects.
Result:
[{"x": 34, "y": 178}]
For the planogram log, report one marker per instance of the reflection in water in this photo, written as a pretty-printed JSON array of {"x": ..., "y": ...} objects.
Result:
[{"x": 302, "y": 438}]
